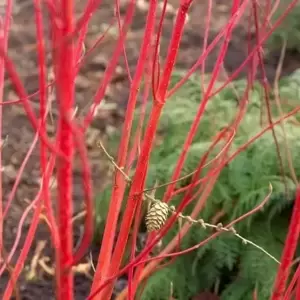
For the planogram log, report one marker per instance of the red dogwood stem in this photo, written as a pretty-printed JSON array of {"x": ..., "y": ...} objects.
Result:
[
  {"x": 288, "y": 251},
  {"x": 135, "y": 196},
  {"x": 138, "y": 182},
  {"x": 65, "y": 66},
  {"x": 104, "y": 260}
]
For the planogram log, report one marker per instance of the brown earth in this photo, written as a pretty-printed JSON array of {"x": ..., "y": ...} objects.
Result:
[{"x": 19, "y": 133}]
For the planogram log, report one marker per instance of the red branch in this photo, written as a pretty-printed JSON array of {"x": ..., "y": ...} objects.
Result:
[
  {"x": 65, "y": 67},
  {"x": 288, "y": 251},
  {"x": 119, "y": 186}
]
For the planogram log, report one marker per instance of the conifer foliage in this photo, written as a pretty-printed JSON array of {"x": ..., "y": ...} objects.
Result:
[{"x": 225, "y": 265}]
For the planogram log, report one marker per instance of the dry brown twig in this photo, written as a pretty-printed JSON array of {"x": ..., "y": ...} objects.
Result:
[
  {"x": 79, "y": 216},
  {"x": 83, "y": 269},
  {"x": 43, "y": 264},
  {"x": 281, "y": 113},
  {"x": 32, "y": 273}
]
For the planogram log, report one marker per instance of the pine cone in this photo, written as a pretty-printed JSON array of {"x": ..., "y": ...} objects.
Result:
[{"x": 156, "y": 216}]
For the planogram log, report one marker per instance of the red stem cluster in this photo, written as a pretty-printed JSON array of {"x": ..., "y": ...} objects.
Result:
[
  {"x": 67, "y": 39},
  {"x": 64, "y": 68}
]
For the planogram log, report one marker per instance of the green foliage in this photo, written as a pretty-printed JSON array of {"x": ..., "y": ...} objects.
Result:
[
  {"x": 101, "y": 209},
  {"x": 254, "y": 265},
  {"x": 288, "y": 30},
  {"x": 239, "y": 268},
  {"x": 159, "y": 286},
  {"x": 240, "y": 289},
  {"x": 241, "y": 186},
  {"x": 225, "y": 262}
]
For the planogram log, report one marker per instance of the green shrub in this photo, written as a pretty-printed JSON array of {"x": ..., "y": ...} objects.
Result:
[
  {"x": 225, "y": 262},
  {"x": 289, "y": 31}
]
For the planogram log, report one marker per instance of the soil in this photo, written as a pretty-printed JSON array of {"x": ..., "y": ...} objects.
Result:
[{"x": 18, "y": 134}]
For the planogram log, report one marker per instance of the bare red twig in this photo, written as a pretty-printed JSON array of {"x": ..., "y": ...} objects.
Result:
[
  {"x": 164, "y": 254},
  {"x": 43, "y": 119},
  {"x": 292, "y": 284},
  {"x": 106, "y": 249},
  {"x": 200, "y": 112},
  {"x": 233, "y": 76},
  {"x": 24, "y": 98},
  {"x": 137, "y": 221},
  {"x": 290, "y": 245},
  {"x": 68, "y": 56},
  {"x": 12, "y": 195},
  {"x": 64, "y": 70},
  {"x": 138, "y": 181},
  {"x": 37, "y": 203},
  {"x": 112, "y": 65}
]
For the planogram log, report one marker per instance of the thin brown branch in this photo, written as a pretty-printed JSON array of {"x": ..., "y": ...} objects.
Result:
[{"x": 279, "y": 107}]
